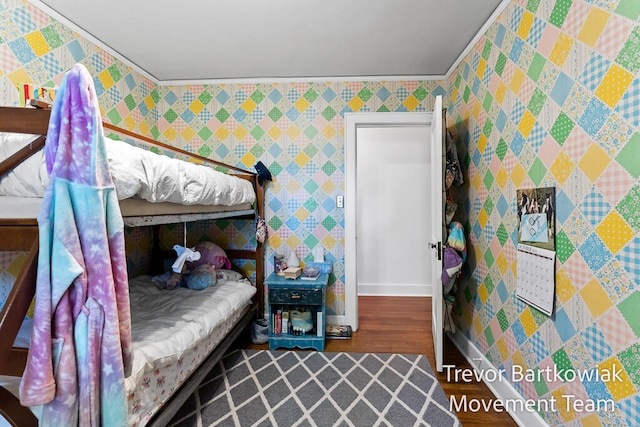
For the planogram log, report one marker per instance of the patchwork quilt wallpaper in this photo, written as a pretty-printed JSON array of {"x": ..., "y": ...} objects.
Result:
[
  {"x": 295, "y": 129},
  {"x": 548, "y": 97}
]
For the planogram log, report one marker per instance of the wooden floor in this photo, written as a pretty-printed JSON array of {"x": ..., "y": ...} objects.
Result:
[{"x": 403, "y": 325}]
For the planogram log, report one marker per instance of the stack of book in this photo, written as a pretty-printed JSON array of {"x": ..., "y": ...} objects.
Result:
[{"x": 338, "y": 332}]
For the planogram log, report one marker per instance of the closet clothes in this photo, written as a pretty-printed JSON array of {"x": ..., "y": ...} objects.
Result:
[{"x": 81, "y": 340}]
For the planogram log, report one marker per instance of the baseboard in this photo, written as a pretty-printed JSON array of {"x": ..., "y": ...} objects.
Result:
[
  {"x": 501, "y": 389},
  {"x": 395, "y": 290}
]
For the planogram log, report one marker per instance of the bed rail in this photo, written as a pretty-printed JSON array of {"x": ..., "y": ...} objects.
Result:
[
  {"x": 175, "y": 149},
  {"x": 13, "y": 360},
  {"x": 24, "y": 120}
]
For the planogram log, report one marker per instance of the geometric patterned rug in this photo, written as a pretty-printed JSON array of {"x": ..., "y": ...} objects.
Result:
[{"x": 300, "y": 388}]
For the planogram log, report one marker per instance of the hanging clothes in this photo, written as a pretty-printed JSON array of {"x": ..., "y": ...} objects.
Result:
[{"x": 80, "y": 346}]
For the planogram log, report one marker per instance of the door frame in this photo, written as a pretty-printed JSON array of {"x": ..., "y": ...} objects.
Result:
[{"x": 352, "y": 121}]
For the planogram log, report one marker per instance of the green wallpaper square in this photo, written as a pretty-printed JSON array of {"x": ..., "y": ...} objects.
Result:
[
  {"x": 629, "y": 207},
  {"x": 629, "y": 155},
  {"x": 629, "y": 8},
  {"x": 500, "y": 63},
  {"x": 631, "y": 312},
  {"x": 630, "y": 359},
  {"x": 537, "y": 102},
  {"x": 536, "y": 67},
  {"x": 502, "y": 320},
  {"x": 562, "y": 362},
  {"x": 560, "y": 12},
  {"x": 629, "y": 56},
  {"x": 489, "y": 335},
  {"x": 561, "y": 128}
]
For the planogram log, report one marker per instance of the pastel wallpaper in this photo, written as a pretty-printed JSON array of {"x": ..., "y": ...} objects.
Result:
[
  {"x": 549, "y": 97},
  {"x": 296, "y": 129}
]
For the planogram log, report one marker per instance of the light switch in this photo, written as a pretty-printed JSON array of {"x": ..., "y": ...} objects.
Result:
[{"x": 340, "y": 201}]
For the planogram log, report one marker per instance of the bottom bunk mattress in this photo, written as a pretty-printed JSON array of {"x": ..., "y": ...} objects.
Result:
[{"x": 172, "y": 332}]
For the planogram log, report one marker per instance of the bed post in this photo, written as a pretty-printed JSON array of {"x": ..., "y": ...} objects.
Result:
[{"x": 259, "y": 251}]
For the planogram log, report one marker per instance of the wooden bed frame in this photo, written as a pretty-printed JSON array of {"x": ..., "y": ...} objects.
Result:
[{"x": 21, "y": 234}]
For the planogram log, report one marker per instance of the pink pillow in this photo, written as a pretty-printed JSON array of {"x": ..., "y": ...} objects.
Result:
[{"x": 212, "y": 254}]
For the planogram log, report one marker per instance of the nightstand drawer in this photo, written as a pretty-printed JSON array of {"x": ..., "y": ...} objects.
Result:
[{"x": 295, "y": 296}]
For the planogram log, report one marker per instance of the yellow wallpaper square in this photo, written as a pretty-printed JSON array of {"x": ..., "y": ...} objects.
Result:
[
  {"x": 595, "y": 298},
  {"x": 614, "y": 232},
  {"x": 614, "y": 85},
  {"x": 616, "y": 378},
  {"x": 593, "y": 26},
  {"x": 594, "y": 162}
]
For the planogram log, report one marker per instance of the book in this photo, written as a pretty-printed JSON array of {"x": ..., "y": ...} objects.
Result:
[
  {"x": 310, "y": 273},
  {"x": 338, "y": 332},
  {"x": 279, "y": 322},
  {"x": 285, "y": 321},
  {"x": 292, "y": 272}
]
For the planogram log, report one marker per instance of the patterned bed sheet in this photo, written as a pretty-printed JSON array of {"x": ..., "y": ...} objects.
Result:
[{"x": 173, "y": 331}]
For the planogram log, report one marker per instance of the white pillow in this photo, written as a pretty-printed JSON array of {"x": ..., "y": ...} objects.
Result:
[{"x": 28, "y": 179}]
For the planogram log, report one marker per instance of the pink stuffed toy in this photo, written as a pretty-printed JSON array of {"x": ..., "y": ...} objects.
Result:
[{"x": 212, "y": 254}]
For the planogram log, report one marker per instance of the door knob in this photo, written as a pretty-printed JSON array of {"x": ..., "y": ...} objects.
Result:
[{"x": 438, "y": 247}]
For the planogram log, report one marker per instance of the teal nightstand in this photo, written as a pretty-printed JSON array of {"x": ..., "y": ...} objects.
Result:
[{"x": 287, "y": 295}]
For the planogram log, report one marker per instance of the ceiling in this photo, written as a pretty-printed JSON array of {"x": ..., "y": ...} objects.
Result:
[{"x": 190, "y": 41}]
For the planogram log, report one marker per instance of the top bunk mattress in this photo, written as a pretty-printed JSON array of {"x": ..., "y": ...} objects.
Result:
[{"x": 137, "y": 174}]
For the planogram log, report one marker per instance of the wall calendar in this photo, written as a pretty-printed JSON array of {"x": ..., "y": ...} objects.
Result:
[
  {"x": 536, "y": 277},
  {"x": 536, "y": 256}
]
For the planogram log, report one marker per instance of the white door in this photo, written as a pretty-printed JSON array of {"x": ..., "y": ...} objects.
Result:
[
  {"x": 437, "y": 203},
  {"x": 435, "y": 177}
]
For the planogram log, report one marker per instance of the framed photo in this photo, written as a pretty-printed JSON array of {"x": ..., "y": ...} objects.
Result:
[
  {"x": 279, "y": 264},
  {"x": 537, "y": 217}
]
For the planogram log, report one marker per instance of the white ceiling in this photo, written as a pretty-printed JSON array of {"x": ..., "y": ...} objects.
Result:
[{"x": 189, "y": 41}]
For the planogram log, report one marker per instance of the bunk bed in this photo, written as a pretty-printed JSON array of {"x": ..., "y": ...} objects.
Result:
[{"x": 209, "y": 340}]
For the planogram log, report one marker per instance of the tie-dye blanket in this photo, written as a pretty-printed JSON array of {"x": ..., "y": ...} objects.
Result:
[{"x": 81, "y": 341}]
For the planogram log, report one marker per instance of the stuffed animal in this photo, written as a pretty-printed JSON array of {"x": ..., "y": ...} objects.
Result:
[
  {"x": 203, "y": 276},
  {"x": 212, "y": 254}
]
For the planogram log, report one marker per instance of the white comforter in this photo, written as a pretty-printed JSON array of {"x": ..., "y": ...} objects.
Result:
[{"x": 136, "y": 173}]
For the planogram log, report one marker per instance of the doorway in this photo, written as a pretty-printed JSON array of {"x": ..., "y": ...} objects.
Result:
[
  {"x": 392, "y": 195},
  {"x": 370, "y": 123}
]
